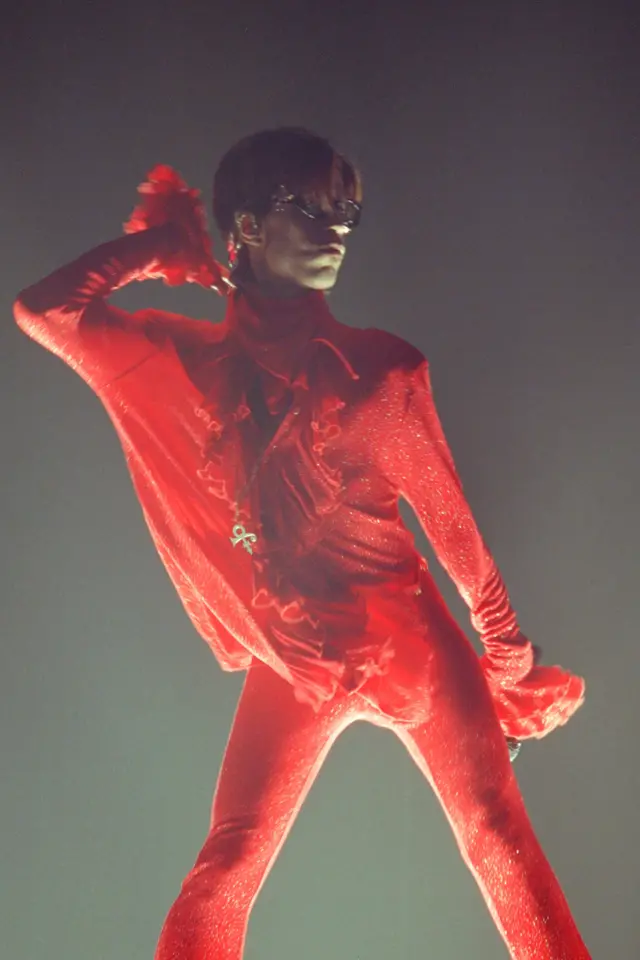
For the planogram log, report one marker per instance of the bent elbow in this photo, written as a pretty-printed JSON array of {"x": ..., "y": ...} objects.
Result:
[
  {"x": 31, "y": 321},
  {"x": 43, "y": 319}
]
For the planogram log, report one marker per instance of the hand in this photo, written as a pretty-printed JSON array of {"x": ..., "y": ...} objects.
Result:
[
  {"x": 514, "y": 747},
  {"x": 166, "y": 198}
]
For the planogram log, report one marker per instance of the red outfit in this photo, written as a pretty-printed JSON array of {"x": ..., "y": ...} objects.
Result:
[{"x": 268, "y": 453}]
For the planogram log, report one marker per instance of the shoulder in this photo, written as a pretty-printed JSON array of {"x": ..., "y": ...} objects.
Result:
[
  {"x": 395, "y": 353},
  {"x": 377, "y": 355}
]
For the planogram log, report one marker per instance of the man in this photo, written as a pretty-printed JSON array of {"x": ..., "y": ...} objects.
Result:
[{"x": 268, "y": 453}]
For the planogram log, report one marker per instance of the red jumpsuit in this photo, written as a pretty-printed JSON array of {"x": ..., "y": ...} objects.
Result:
[{"x": 268, "y": 453}]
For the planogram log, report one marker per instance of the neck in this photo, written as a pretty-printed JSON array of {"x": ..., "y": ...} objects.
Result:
[
  {"x": 272, "y": 312},
  {"x": 256, "y": 278},
  {"x": 275, "y": 290},
  {"x": 266, "y": 319}
]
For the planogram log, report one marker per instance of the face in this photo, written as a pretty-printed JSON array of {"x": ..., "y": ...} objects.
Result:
[{"x": 289, "y": 252}]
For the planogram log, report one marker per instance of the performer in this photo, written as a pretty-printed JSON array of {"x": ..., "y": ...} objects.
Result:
[{"x": 269, "y": 452}]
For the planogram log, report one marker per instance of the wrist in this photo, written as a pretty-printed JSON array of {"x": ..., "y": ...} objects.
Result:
[{"x": 508, "y": 660}]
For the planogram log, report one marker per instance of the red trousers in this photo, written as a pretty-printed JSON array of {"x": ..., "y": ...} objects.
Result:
[{"x": 276, "y": 748}]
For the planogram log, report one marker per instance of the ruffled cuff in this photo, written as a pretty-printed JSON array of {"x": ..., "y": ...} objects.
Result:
[
  {"x": 166, "y": 198},
  {"x": 537, "y": 703},
  {"x": 508, "y": 659}
]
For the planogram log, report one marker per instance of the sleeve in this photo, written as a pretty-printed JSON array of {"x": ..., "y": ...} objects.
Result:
[
  {"x": 530, "y": 700},
  {"x": 68, "y": 314},
  {"x": 427, "y": 478}
]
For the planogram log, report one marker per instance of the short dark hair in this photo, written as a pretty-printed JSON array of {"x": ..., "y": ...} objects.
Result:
[{"x": 252, "y": 170}]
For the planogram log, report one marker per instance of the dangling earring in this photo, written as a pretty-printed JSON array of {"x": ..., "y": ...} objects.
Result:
[
  {"x": 234, "y": 245},
  {"x": 233, "y": 250}
]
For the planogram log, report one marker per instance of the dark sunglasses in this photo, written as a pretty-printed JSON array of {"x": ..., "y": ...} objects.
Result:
[{"x": 345, "y": 213}]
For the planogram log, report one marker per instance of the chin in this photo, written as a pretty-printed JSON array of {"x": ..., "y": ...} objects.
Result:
[
  {"x": 323, "y": 280},
  {"x": 322, "y": 285}
]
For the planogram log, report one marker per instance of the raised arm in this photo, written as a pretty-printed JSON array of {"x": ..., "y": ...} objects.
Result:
[
  {"x": 68, "y": 314},
  {"x": 67, "y": 311}
]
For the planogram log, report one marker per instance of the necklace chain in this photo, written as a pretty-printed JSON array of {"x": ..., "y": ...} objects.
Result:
[{"x": 240, "y": 534}]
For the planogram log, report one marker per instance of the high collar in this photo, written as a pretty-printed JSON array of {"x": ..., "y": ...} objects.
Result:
[
  {"x": 278, "y": 333},
  {"x": 265, "y": 319}
]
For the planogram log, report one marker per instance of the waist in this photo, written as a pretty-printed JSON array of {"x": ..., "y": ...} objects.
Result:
[
  {"x": 332, "y": 640},
  {"x": 334, "y": 603},
  {"x": 333, "y": 572}
]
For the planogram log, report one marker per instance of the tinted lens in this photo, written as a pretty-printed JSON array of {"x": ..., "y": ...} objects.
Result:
[
  {"x": 346, "y": 212},
  {"x": 310, "y": 209},
  {"x": 349, "y": 212}
]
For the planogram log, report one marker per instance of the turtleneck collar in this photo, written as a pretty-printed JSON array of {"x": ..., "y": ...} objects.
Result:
[
  {"x": 266, "y": 319},
  {"x": 276, "y": 332}
]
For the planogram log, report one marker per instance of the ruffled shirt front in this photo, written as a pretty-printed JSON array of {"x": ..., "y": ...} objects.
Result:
[{"x": 268, "y": 453}]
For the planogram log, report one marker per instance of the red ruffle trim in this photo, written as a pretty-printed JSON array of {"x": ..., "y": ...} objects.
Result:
[
  {"x": 166, "y": 198},
  {"x": 546, "y": 698},
  {"x": 316, "y": 676}
]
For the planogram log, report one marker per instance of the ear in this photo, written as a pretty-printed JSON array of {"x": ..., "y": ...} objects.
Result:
[{"x": 248, "y": 231}]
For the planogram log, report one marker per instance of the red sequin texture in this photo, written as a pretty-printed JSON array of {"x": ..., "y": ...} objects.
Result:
[
  {"x": 361, "y": 428},
  {"x": 334, "y": 612}
]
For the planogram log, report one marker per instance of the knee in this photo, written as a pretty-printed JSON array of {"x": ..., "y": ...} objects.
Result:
[
  {"x": 233, "y": 857},
  {"x": 230, "y": 844},
  {"x": 209, "y": 916}
]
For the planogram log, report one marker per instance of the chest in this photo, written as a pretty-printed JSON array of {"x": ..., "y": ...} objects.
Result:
[
  {"x": 313, "y": 432},
  {"x": 310, "y": 440}
]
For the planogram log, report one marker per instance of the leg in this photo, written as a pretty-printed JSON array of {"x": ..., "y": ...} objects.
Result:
[
  {"x": 275, "y": 750},
  {"x": 461, "y": 750}
]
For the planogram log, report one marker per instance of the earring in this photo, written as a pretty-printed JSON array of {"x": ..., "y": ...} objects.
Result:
[
  {"x": 234, "y": 245},
  {"x": 233, "y": 250}
]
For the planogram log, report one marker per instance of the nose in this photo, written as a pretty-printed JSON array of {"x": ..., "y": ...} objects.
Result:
[
  {"x": 338, "y": 232},
  {"x": 324, "y": 234}
]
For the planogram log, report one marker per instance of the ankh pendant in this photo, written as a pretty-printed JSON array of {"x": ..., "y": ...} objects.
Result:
[{"x": 241, "y": 535}]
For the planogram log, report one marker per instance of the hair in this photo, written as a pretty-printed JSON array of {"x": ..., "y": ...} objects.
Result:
[{"x": 252, "y": 170}]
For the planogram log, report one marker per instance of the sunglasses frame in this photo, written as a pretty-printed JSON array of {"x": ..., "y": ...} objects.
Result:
[{"x": 284, "y": 198}]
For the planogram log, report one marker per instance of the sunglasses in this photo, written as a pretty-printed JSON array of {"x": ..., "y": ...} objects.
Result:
[{"x": 344, "y": 213}]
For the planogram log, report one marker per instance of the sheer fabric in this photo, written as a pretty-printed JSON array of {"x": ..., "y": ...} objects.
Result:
[
  {"x": 283, "y": 424},
  {"x": 358, "y": 428}
]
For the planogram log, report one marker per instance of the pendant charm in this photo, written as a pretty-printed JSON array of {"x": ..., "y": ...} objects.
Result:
[{"x": 240, "y": 535}]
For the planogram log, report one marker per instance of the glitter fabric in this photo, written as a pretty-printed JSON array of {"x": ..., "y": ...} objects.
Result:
[{"x": 283, "y": 422}]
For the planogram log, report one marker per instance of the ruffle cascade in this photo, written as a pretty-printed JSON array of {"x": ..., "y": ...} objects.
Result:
[
  {"x": 535, "y": 699},
  {"x": 319, "y": 633}
]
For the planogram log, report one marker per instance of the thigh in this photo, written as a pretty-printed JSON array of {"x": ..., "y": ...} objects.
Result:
[
  {"x": 275, "y": 749},
  {"x": 432, "y": 657},
  {"x": 435, "y": 686},
  {"x": 452, "y": 732}
]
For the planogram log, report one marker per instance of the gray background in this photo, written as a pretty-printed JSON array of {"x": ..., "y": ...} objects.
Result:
[{"x": 499, "y": 146}]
